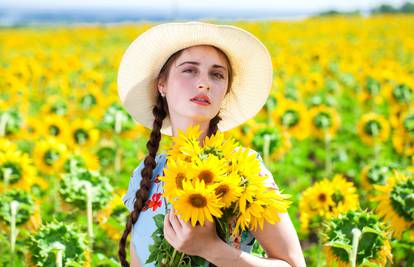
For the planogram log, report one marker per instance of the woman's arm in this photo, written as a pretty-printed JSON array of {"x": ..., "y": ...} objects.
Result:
[
  {"x": 279, "y": 241},
  {"x": 134, "y": 258}
]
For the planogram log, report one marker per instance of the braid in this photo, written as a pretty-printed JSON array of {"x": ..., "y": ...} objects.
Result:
[
  {"x": 213, "y": 126},
  {"x": 142, "y": 194}
]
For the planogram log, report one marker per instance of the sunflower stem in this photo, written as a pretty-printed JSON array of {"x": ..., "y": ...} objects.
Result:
[
  {"x": 118, "y": 122},
  {"x": 266, "y": 148},
  {"x": 172, "y": 258},
  {"x": 6, "y": 176},
  {"x": 356, "y": 236},
  {"x": 3, "y": 123},
  {"x": 328, "y": 165},
  {"x": 89, "y": 196},
  {"x": 58, "y": 248},
  {"x": 14, "y": 206}
]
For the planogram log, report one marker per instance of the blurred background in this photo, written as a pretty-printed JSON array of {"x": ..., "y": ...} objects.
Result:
[{"x": 337, "y": 131}]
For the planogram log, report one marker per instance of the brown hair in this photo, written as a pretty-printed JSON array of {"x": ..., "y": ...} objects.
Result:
[{"x": 160, "y": 111}]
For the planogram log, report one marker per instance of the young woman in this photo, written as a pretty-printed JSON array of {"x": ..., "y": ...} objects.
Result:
[{"x": 176, "y": 75}]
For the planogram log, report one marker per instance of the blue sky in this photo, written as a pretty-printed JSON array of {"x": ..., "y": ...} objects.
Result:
[{"x": 308, "y": 5}]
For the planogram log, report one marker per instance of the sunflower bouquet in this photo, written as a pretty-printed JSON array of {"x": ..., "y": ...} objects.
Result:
[{"x": 217, "y": 181}]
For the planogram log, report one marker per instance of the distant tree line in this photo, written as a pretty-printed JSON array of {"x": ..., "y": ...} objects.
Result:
[{"x": 406, "y": 8}]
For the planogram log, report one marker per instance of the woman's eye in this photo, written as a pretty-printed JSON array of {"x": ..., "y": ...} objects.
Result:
[
  {"x": 188, "y": 70},
  {"x": 219, "y": 75}
]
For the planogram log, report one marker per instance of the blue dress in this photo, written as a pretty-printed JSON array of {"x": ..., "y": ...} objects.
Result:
[{"x": 145, "y": 225}]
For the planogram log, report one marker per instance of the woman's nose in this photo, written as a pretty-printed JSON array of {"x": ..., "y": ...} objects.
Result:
[{"x": 203, "y": 85}]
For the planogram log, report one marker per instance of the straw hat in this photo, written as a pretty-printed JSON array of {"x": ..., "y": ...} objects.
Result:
[{"x": 142, "y": 61}]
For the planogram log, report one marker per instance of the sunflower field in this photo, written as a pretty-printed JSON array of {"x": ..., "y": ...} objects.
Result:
[{"x": 337, "y": 133}]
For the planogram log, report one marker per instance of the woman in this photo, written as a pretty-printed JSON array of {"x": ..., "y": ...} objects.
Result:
[{"x": 176, "y": 75}]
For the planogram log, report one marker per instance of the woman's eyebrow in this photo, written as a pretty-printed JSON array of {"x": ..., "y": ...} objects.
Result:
[{"x": 198, "y": 63}]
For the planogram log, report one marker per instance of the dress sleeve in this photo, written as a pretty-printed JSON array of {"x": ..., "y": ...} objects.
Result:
[
  {"x": 269, "y": 182},
  {"x": 134, "y": 183}
]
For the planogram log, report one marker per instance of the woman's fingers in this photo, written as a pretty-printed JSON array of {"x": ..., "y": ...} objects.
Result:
[
  {"x": 175, "y": 221},
  {"x": 168, "y": 228}
]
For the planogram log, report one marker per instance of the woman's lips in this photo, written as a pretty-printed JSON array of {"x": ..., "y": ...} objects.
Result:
[{"x": 201, "y": 99}]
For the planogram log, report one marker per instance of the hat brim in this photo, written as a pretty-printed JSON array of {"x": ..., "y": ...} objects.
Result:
[{"x": 142, "y": 61}]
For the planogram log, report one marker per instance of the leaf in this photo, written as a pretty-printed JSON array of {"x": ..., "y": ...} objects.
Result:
[{"x": 346, "y": 247}]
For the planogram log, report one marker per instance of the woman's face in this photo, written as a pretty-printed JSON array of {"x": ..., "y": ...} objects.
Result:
[{"x": 196, "y": 85}]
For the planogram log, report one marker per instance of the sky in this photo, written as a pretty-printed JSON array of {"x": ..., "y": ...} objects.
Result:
[{"x": 291, "y": 5}]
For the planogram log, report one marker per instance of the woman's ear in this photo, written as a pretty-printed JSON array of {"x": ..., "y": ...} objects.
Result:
[{"x": 161, "y": 86}]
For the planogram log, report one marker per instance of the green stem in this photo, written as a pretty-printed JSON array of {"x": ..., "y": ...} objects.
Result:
[
  {"x": 181, "y": 259},
  {"x": 266, "y": 148},
  {"x": 118, "y": 122},
  {"x": 3, "y": 123},
  {"x": 58, "y": 248},
  {"x": 89, "y": 197},
  {"x": 328, "y": 164},
  {"x": 172, "y": 258},
  {"x": 356, "y": 236},
  {"x": 6, "y": 176},
  {"x": 14, "y": 206}
]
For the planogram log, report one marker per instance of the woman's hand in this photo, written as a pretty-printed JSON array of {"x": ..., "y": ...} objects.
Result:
[{"x": 187, "y": 239}]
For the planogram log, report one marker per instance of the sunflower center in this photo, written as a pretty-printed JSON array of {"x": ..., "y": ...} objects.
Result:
[
  {"x": 81, "y": 136},
  {"x": 222, "y": 190},
  {"x": 337, "y": 197},
  {"x": 88, "y": 101},
  {"x": 409, "y": 124},
  {"x": 377, "y": 174},
  {"x": 322, "y": 120},
  {"x": 290, "y": 118},
  {"x": 322, "y": 197},
  {"x": 402, "y": 93},
  {"x": 402, "y": 199},
  {"x": 50, "y": 157},
  {"x": 179, "y": 180},
  {"x": 198, "y": 200},
  {"x": 274, "y": 138},
  {"x": 10, "y": 171},
  {"x": 373, "y": 86},
  {"x": 54, "y": 130},
  {"x": 207, "y": 176},
  {"x": 372, "y": 128},
  {"x": 59, "y": 108}
]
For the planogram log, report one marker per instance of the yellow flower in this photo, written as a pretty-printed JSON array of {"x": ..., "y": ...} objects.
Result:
[
  {"x": 197, "y": 203},
  {"x": 394, "y": 201},
  {"x": 83, "y": 133},
  {"x": 49, "y": 155},
  {"x": 211, "y": 170},
  {"x": 317, "y": 200},
  {"x": 344, "y": 196},
  {"x": 186, "y": 145},
  {"x": 324, "y": 120},
  {"x": 54, "y": 125},
  {"x": 175, "y": 173},
  {"x": 291, "y": 116},
  {"x": 373, "y": 128},
  {"x": 228, "y": 189},
  {"x": 18, "y": 171}
]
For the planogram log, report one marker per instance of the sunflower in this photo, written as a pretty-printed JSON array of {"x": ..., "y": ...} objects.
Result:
[
  {"x": 403, "y": 138},
  {"x": 17, "y": 171},
  {"x": 317, "y": 200},
  {"x": 211, "y": 170},
  {"x": 243, "y": 133},
  {"x": 395, "y": 201},
  {"x": 345, "y": 195},
  {"x": 54, "y": 125},
  {"x": 373, "y": 247},
  {"x": 197, "y": 202},
  {"x": 11, "y": 122},
  {"x": 228, "y": 190},
  {"x": 173, "y": 178},
  {"x": 291, "y": 116},
  {"x": 375, "y": 174},
  {"x": 218, "y": 146},
  {"x": 371, "y": 91},
  {"x": 186, "y": 145},
  {"x": 83, "y": 133},
  {"x": 324, "y": 120},
  {"x": 278, "y": 145},
  {"x": 50, "y": 155},
  {"x": 373, "y": 128},
  {"x": 90, "y": 101}
]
